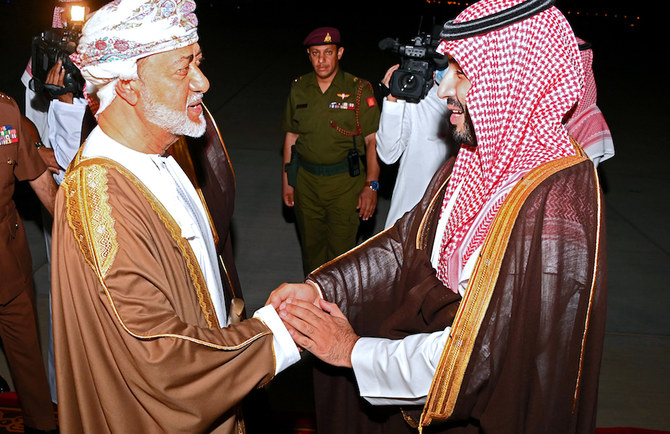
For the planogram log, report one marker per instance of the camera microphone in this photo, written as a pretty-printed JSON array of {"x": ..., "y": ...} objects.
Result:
[{"x": 387, "y": 44}]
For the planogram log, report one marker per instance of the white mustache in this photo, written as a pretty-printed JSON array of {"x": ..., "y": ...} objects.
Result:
[{"x": 195, "y": 99}]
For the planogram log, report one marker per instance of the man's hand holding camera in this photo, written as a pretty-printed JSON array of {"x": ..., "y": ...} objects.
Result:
[
  {"x": 56, "y": 76},
  {"x": 386, "y": 81}
]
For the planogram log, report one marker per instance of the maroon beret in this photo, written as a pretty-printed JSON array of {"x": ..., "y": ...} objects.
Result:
[{"x": 322, "y": 36}]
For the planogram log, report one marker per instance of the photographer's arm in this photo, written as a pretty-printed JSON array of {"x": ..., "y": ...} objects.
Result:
[
  {"x": 65, "y": 117},
  {"x": 391, "y": 142}
]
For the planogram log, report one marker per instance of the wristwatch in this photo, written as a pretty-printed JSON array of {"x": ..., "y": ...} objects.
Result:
[{"x": 374, "y": 185}]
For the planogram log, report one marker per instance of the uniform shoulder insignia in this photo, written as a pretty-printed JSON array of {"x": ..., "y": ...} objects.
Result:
[
  {"x": 6, "y": 99},
  {"x": 359, "y": 80},
  {"x": 296, "y": 80}
]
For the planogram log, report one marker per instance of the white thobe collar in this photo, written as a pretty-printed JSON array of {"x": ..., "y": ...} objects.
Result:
[{"x": 151, "y": 170}]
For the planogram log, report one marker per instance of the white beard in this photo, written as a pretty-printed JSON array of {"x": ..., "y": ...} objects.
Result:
[{"x": 174, "y": 121}]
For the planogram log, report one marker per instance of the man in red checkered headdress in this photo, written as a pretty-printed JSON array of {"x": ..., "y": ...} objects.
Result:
[{"x": 482, "y": 310}]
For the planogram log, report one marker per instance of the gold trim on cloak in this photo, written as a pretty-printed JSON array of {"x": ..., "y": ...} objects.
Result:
[
  {"x": 181, "y": 153},
  {"x": 86, "y": 206},
  {"x": 592, "y": 292},
  {"x": 455, "y": 357}
]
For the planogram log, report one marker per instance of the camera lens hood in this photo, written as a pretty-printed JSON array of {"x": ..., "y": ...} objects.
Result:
[{"x": 453, "y": 31}]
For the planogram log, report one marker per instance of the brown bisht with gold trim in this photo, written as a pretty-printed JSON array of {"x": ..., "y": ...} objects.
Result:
[
  {"x": 138, "y": 345},
  {"x": 525, "y": 349}
]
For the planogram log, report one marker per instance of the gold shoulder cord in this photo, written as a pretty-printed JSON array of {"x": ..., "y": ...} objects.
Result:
[{"x": 448, "y": 377}]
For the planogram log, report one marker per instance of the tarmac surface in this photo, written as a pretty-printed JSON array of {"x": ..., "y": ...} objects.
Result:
[{"x": 251, "y": 57}]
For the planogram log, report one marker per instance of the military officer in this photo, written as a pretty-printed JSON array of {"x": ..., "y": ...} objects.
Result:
[
  {"x": 19, "y": 160},
  {"x": 331, "y": 170}
]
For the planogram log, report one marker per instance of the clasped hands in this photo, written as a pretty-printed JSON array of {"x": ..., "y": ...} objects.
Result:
[{"x": 314, "y": 324}]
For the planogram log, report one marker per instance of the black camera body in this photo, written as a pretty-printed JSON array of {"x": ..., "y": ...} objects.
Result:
[
  {"x": 49, "y": 47},
  {"x": 419, "y": 60}
]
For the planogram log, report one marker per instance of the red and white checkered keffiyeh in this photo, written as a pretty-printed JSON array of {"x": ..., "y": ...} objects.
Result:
[
  {"x": 525, "y": 77},
  {"x": 587, "y": 124}
]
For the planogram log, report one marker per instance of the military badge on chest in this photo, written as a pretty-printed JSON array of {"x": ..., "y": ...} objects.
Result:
[
  {"x": 8, "y": 135},
  {"x": 343, "y": 105}
]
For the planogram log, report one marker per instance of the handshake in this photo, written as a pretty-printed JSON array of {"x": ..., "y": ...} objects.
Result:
[{"x": 314, "y": 324}]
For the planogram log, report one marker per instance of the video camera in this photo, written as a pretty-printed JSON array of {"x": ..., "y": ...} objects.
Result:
[
  {"x": 49, "y": 47},
  {"x": 419, "y": 60},
  {"x": 57, "y": 44}
]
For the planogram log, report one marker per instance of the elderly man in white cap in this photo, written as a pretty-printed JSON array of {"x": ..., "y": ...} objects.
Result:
[{"x": 142, "y": 335}]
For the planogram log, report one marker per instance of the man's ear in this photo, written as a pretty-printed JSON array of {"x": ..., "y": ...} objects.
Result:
[
  {"x": 340, "y": 51},
  {"x": 128, "y": 90}
]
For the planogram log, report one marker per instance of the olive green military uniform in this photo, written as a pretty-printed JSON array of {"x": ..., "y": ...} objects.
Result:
[{"x": 326, "y": 195}]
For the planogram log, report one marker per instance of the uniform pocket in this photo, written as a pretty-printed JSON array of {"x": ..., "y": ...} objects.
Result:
[
  {"x": 8, "y": 156},
  {"x": 15, "y": 256}
]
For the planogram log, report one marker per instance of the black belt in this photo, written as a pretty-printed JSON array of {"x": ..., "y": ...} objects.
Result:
[{"x": 324, "y": 169}]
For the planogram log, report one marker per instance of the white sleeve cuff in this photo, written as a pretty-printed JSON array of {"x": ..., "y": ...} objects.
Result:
[
  {"x": 394, "y": 106},
  {"x": 397, "y": 372},
  {"x": 286, "y": 352}
]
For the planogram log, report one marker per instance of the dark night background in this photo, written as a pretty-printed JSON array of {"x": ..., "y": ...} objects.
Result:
[
  {"x": 243, "y": 38},
  {"x": 278, "y": 24}
]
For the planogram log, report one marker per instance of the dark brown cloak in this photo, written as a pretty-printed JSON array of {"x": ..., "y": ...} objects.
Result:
[{"x": 536, "y": 358}]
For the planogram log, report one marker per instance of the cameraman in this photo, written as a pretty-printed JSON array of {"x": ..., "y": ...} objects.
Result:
[
  {"x": 411, "y": 132},
  {"x": 64, "y": 120}
]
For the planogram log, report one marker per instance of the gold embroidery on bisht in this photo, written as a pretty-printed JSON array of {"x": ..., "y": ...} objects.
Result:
[
  {"x": 78, "y": 202},
  {"x": 455, "y": 357},
  {"x": 171, "y": 225},
  {"x": 90, "y": 217}
]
